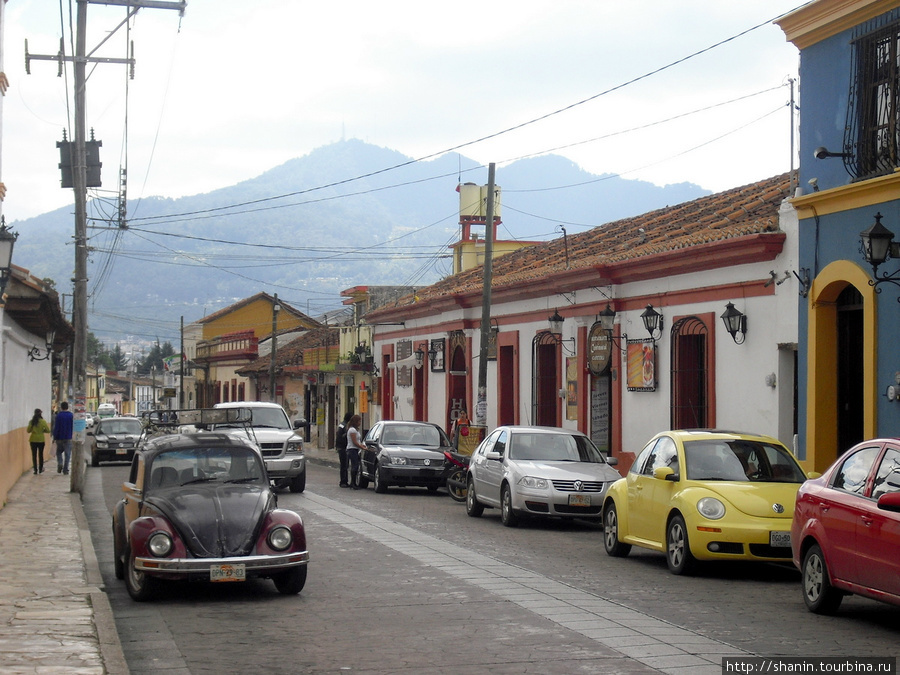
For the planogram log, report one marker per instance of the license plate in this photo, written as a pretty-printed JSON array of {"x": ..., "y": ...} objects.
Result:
[
  {"x": 121, "y": 451},
  {"x": 227, "y": 572},
  {"x": 579, "y": 500},
  {"x": 779, "y": 539}
]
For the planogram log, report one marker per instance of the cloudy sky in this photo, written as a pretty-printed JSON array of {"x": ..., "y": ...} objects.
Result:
[{"x": 234, "y": 88}]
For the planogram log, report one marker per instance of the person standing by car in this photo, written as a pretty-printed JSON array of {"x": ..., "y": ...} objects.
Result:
[
  {"x": 355, "y": 446},
  {"x": 62, "y": 434},
  {"x": 340, "y": 444},
  {"x": 37, "y": 428}
]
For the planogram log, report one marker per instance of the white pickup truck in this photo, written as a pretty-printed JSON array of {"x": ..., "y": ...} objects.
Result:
[{"x": 279, "y": 442}]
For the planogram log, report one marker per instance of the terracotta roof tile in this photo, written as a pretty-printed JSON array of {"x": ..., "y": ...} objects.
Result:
[{"x": 747, "y": 210}]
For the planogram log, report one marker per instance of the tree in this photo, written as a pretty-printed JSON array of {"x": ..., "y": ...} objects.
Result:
[{"x": 155, "y": 357}]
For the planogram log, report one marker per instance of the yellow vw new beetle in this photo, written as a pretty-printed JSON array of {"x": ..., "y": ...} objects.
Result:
[{"x": 705, "y": 495}]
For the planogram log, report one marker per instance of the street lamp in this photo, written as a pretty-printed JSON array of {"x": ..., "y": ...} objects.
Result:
[
  {"x": 653, "y": 322},
  {"x": 735, "y": 322},
  {"x": 35, "y": 353},
  {"x": 7, "y": 241},
  {"x": 877, "y": 246}
]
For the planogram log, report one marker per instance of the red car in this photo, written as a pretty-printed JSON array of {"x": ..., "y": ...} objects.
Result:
[{"x": 845, "y": 534}]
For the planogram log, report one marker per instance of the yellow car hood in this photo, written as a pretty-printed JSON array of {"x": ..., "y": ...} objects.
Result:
[{"x": 757, "y": 499}]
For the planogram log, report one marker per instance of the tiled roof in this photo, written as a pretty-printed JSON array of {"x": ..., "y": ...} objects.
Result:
[
  {"x": 291, "y": 353},
  {"x": 739, "y": 212},
  {"x": 285, "y": 307}
]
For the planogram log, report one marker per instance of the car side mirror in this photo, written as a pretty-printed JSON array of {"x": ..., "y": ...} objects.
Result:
[
  {"x": 665, "y": 473},
  {"x": 301, "y": 423},
  {"x": 813, "y": 474},
  {"x": 889, "y": 501},
  {"x": 496, "y": 456},
  {"x": 612, "y": 461}
]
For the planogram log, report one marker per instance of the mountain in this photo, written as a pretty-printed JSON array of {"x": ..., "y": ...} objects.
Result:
[{"x": 307, "y": 230}]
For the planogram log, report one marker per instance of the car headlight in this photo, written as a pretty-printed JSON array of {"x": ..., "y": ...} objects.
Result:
[
  {"x": 280, "y": 538},
  {"x": 533, "y": 482},
  {"x": 160, "y": 544},
  {"x": 398, "y": 460},
  {"x": 295, "y": 446},
  {"x": 711, "y": 508}
]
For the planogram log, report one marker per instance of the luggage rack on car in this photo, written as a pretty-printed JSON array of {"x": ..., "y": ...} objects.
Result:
[{"x": 162, "y": 422}]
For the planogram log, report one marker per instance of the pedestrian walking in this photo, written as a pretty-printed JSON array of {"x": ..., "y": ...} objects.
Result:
[
  {"x": 340, "y": 444},
  {"x": 355, "y": 446},
  {"x": 62, "y": 434},
  {"x": 37, "y": 430}
]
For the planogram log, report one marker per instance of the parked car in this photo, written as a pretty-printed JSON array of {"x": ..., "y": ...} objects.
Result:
[
  {"x": 200, "y": 507},
  {"x": 278, "y": 440},
  {"x": 114, "y": 439},
  {"x": 538, "y": 471},
  {"x": 407, "y": 454},
  {"x": 705, "y": 495},
  {"x": 846, "y": 530}
]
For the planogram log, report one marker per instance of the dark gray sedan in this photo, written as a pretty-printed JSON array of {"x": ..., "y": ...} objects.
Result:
[{"x": 406, "y": 454}]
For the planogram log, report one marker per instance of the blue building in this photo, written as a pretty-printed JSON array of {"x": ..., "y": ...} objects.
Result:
[{"x": 849, "y": 195}]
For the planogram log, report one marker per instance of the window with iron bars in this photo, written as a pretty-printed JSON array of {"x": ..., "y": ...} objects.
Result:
[{"x": 872, "y": 135}]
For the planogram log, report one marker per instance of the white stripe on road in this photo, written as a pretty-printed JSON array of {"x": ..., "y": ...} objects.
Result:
[{"x": 651, "y": 641}]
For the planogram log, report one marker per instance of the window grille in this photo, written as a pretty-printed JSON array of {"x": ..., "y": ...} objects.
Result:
[{"x": 872, "y": 134}]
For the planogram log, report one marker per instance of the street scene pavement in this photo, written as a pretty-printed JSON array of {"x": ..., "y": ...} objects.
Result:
[{"x": 383, "y": 597}]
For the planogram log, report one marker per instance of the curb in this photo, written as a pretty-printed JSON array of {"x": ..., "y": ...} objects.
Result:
[{"x": 107, "y": 635}]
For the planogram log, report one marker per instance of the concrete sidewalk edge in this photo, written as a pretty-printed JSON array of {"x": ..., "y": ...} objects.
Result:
[{"x": 107, "y": 635}]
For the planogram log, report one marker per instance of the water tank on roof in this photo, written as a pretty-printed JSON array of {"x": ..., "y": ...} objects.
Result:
[{"x": 473, "y": 201}]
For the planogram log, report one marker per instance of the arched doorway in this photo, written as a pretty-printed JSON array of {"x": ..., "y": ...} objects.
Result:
[
  {"x": 849, "y": 368},
  {"x": 547, "y": 380},
  {"x": 690, "y": 377},
  {"x": 457, "y": 381},
  {"x": 841, "y": 362}
]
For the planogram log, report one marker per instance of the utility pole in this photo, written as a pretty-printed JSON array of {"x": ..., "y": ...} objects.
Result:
[
  {"x": 481, "y": 403},
  {"x": 79, "y": 186},
  {"x": 275, "y": 308}
]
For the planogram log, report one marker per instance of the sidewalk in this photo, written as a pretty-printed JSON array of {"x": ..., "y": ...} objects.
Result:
[{"x": 54, "y": 615}]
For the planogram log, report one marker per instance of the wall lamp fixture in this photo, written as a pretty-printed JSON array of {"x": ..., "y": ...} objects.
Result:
[
  {"x": 35, "y": 353},
  {"x": 607, "y": 319},
  {"x": 653, "y": 322},
  {"x": 824, "y": 153},
  {"x": 735, "y": 323},
  {"x": 7, "y": 241},
  {"x": 878, "y": 246},
  {"x": 556, "y": 322}
]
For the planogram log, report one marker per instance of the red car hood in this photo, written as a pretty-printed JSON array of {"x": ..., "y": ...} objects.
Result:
[{"x": 215, "y": 520}]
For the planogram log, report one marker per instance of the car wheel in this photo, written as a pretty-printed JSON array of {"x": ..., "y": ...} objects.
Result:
[
  {"x": 474, "y": 508},
  {"x": 361, "y": 481},
  {"x": 140, "y": 586},
  {"x": 818, "y": 593},
  {"x": 290, "y": 582},
  {"x": 95, "y": 461},
  {"x": 678, "y": 549},
  {"x": 507, "y": 514},
  {"x": 380, "y": 484},
  {"x": 298, "y": 483},
  {"x": 611, "y": 542}
]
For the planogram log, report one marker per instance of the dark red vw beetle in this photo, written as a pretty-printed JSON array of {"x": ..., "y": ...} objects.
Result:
[{"x": 198, "y": 506}]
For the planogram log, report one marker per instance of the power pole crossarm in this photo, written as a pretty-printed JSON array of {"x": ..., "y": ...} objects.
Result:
[{"x": 148, "y": 4}]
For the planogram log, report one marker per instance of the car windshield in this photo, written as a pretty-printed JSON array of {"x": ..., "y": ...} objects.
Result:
[
  {"x": 549, "y": 447},
  {"x": 112, "y": 427},
  {"x": 263, "y": 417},
  {"x": 741, "y": 460},
  {"x": 424, "y": 435},
  {"x": 196, "y": 465}
]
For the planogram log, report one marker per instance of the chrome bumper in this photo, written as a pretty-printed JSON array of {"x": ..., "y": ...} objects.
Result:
[{"x": 252, "y": 563}]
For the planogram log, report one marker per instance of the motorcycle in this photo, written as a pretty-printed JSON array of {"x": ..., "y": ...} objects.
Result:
[{"x": 457, "y": 472}]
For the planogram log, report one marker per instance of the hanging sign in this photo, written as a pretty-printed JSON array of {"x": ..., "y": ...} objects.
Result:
[{"x": 599, "y": 349}]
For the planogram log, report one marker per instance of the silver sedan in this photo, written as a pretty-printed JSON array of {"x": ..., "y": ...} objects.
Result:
[{"x": 538, "y": 471}]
